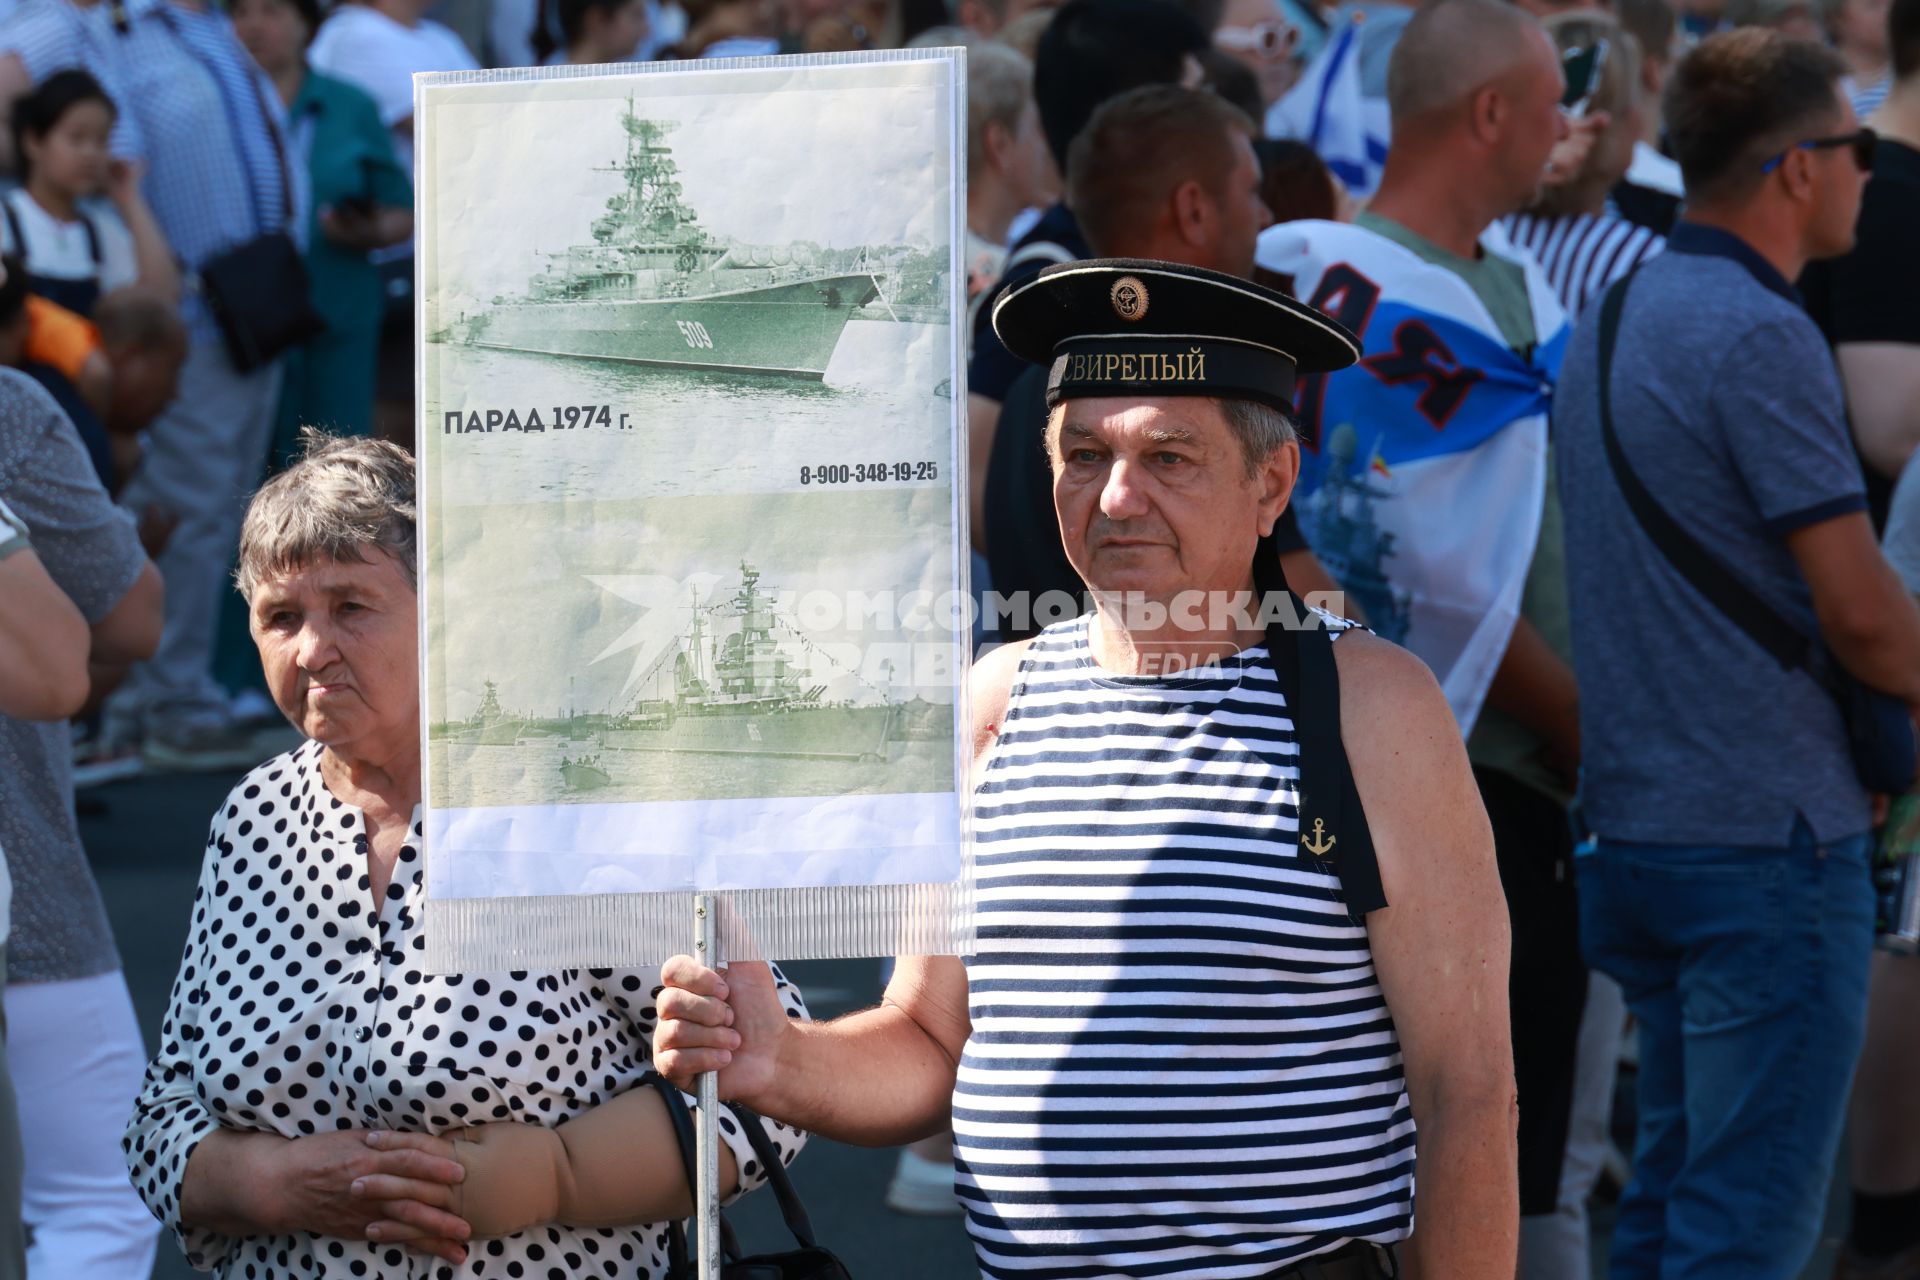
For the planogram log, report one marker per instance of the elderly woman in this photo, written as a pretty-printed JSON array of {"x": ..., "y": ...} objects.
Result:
[{"x": 302, "y": 1017}]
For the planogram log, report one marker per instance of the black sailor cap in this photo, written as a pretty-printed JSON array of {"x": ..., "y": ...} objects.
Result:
[{"x": 1134, "y": 326}]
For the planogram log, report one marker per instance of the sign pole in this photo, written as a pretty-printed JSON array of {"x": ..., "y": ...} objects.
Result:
[{"x": 706, "y": 935}]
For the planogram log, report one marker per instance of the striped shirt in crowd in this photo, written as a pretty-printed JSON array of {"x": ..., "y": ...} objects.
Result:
[
  {"x": 1867, "y": 98},
  {"x": 1582, "y": 253},
  {"x": 1181, "y": 1063}
]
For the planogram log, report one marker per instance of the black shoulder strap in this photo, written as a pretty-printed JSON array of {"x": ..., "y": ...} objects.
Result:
[
  {"x": 678, "y": 1266},
  {"x": 20, "y": 239},
  {"x": 1786, "y": 643},
  {"x": 93, "y": 239},
  {"x": 791, "y": 1208},
  {"x": 684, "y": 1139},
  {"x": 1333, "y": 823},
  {"x": 13, "y": 227}
]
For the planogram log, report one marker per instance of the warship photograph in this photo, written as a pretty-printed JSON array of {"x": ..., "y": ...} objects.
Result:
[
  {"x": 750, "y": 292},
  {"x": 489, "y": 726},
  {"x": 737, "y": 691},
  {"x": 654, "y": 287},
  {"x": 733, "y": 701}
]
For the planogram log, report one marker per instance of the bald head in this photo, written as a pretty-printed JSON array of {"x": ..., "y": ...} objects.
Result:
[{"x": 1453, "y": 48}]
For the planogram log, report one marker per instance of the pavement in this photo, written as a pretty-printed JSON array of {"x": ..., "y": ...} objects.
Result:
[{"x": 145, "y": 836}]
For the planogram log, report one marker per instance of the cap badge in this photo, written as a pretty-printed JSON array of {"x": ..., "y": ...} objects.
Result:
[{"x": 1129, "y": 298}]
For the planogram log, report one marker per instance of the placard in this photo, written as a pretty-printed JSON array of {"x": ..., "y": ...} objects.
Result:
[{"x": 693, "y": 586}]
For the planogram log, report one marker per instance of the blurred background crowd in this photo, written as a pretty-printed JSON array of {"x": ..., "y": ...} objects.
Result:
[{"x": 173, "y": 163}]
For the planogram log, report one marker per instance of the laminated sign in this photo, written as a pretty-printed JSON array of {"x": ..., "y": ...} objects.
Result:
[{"x": 692, "y": 546}]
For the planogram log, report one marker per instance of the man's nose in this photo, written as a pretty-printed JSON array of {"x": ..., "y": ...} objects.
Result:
[{"x": 1122, "y": 498}]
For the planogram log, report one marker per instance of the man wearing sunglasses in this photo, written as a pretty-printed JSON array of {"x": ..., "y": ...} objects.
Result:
[{"x": 1726, "y": 888}]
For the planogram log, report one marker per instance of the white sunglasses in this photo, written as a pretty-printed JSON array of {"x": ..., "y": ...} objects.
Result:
[{"x": 1269, "y": 39}]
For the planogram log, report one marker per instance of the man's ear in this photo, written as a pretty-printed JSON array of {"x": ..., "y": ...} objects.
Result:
[
  {"x": 1490, "y": 111},
  {"x": 1196, "y": 217},
  {"x": 1276, "y": 478},
  {"x": 1796, "y": 173}
]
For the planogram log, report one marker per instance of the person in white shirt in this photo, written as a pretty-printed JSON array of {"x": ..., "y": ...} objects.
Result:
[
  {"x": 75, "y": 249},
  {"x": 592, "y": 32},
  {"x": 380, "y": 46},
  {"x": 43, "y": 675}
]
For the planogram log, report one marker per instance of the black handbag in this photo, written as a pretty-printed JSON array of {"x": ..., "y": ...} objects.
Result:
[
  {"x": 1879, "y": 730},
  {"x": 261, "y": 299},
  {"x": 258, "y": 291},
  {"x": 808, "y": 1262}
]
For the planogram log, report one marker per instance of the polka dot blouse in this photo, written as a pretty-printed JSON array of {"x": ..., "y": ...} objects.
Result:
[{"x": 299, "y": 1008}]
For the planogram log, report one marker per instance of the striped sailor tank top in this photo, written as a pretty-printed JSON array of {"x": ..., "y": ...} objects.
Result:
[{"x": 1181, "y": 1062}]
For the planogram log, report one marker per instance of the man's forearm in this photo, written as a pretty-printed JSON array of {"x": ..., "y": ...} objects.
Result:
[
  {"x": 1883, "y": 650},
  {"x": 873, "y": 1078},
  {"x": 1468, "y": 1220},
  {"x": 1535, "y": 686}
]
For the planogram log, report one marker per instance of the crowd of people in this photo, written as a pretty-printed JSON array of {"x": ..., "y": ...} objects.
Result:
[{"x": 1614, "y": 439}]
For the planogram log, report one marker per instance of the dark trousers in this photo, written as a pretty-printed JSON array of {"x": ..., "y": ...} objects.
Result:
[{"x": 1547, "y": 982}]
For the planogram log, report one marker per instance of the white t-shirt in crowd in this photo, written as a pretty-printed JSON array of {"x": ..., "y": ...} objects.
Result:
[
  {"x": 367, "y": 48},
  {"x": 1902, "y": 541},
  {"x": 1654, "y": 171},
  {"x": 61, "y": 251}
]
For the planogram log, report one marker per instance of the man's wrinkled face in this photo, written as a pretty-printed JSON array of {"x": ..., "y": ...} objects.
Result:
[{"x": 1154, "y": 495}]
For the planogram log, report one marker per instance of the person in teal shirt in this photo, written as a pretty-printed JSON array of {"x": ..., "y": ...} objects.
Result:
[{"x": 362, "y": 202}]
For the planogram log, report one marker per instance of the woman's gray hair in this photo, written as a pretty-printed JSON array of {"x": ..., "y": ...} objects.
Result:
[
  {"x": 345, "y": 498},
  {"x": 999, "y": 86}
]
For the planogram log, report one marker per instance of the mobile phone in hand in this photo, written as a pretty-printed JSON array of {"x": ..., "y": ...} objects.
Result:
[{"x": 1582, "y": 67}]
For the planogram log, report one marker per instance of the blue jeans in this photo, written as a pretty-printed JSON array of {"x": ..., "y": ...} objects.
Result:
[{"x": 1747, "y": 968}]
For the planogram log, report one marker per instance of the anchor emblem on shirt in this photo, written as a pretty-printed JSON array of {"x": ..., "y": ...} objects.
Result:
[{"x": 1321, "y": 844}]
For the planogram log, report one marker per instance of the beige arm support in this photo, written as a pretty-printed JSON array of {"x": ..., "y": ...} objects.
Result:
[{"x": 616, "y": 1165}]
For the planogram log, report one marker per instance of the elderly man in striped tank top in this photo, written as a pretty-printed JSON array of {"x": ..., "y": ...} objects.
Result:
[{"x": 1242, "y": 965}]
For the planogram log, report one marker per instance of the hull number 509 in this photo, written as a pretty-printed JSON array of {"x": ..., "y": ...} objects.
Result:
[{"x": 695, "y": 333}]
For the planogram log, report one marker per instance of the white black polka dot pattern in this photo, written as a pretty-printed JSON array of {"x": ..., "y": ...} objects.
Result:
[{"x": 299, "y": 1009}]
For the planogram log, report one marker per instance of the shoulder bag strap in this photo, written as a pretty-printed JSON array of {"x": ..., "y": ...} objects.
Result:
[
  {"x": 1784, "y": 642},
  {"x": 14, "y": 228},
  {"x": 1303, "y": 662},
  {"x": 279, "y": 153},
  {"x": 684, "y": 1138},
  {"x": 252, "y": 77},
  {"x": 93, "y": 239},
  {"x": 791, "y": 1208}
]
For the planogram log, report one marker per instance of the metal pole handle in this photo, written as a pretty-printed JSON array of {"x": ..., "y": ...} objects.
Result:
[{"x": 706, "y": 943}]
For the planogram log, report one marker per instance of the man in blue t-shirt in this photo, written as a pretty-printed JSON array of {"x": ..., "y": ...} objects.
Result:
[{"x": 1727, "y": 888}]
